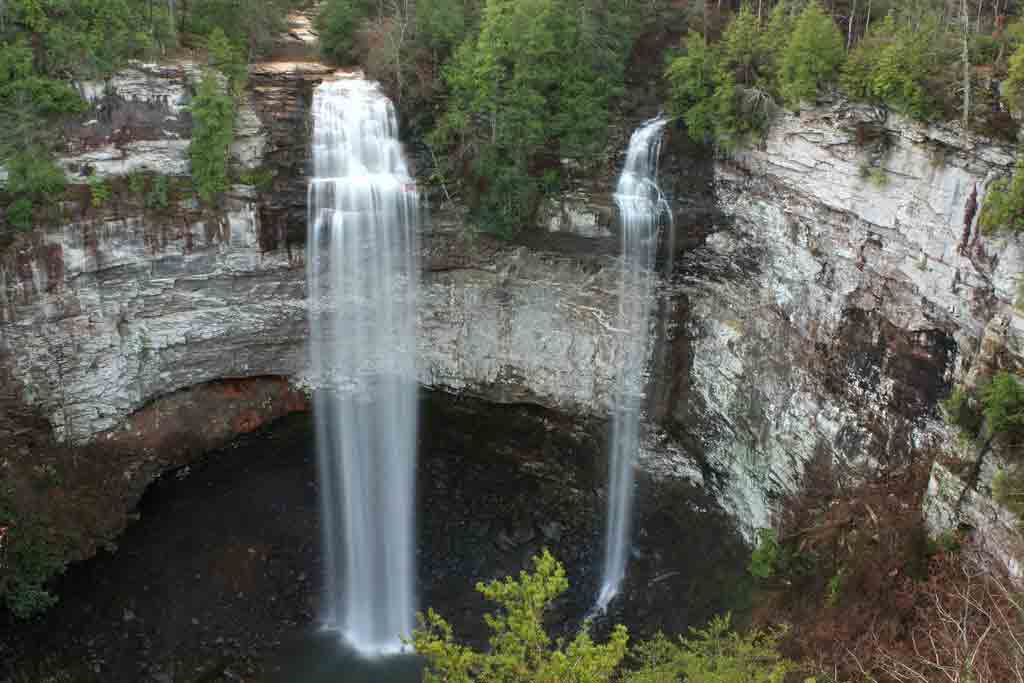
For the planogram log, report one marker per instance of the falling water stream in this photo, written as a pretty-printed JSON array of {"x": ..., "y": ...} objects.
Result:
[
  {"x": 363, "y": 217},
  {"x": 641, "y": 208}
]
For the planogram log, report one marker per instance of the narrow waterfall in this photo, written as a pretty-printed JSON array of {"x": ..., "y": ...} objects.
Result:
[
  {"x": 642, "y": 209},
  {"x": 362, "y": 277}
]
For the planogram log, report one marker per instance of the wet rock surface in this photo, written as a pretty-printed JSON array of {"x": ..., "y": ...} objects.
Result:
[{"x": 222, "y": 567}]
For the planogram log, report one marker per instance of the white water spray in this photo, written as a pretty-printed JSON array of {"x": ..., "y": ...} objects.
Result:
[
  {"x": 641, "y": 210},
  {"x": 362, "y": 276}
]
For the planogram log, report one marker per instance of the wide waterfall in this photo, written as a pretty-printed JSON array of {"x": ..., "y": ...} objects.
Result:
[
  {"x": 642, "y": 210},
  {"x": 362, "y": 276}
]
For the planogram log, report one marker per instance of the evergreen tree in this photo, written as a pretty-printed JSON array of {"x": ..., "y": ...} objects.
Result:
[
  {"x": 1014, "y": 84},
  {"x": 441, "y": 24},
  {"x": 693, "y": 78},
  {"x": 533, "y": 87},
  {"x": 213, "y": 114},
  {"x": 520, "y": 648},
  {"x": 228, "y": 59},
  {"x": 812, "y": 56},
  {"x": 337, "y": 24},
  {"x": 743, "y": 53}
]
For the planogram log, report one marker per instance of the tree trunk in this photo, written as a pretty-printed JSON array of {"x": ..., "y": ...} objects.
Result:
[
  {"x": 849, "y": 28},
  {"x": 967, "y": 67}
]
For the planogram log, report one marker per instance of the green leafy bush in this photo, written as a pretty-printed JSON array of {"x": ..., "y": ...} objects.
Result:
[
  {"x": 772, "y": 558},
  {"x": 1003, "y": 208},
  {"x": 137, "y": 183},
  {"x": 767, "y": 555},
  {"x": 1014, "y": 84},
  {"x": 875, "y": 175},
  {"x": 714, "y": 654},
  {"x": 1008, "y": 490},
  {"x": 30, "y": 559},
  {"x": 156, "y": 198},
  {"x": 835, "y": 587},
  {"x": 99, "y": 191},
  {"x": 32, "y": 174},
  {"x": 726, "y": 93},
  {"x": 213, "y": 115},
  {"x": 1002, "y": 403},
  {"x": 19, "y": 214},
  {"x": 715, "y": 108},
  {"x": 260, "y": 178}
]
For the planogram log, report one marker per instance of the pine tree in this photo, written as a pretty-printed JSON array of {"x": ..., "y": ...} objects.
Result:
[
  {"x": 812, "y": 56},
  {"x": 213, "y": 114}
]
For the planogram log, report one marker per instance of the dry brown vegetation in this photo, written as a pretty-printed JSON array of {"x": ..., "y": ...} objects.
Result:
[{"x": 870, "y": 599}]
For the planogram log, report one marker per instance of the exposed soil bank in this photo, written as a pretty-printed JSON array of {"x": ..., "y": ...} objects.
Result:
[{"x": 219, "y": 578}]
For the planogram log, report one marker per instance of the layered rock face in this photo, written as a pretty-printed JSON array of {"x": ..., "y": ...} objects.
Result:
[
  {"x": 106, "y": 312},
  {"x": 143, "y": 336},
  {"x": 838, "y": 292},
  {"x": 847, "y": 294}
]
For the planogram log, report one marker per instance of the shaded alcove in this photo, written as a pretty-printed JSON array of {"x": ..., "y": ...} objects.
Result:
[{"x": 218, "y": 580}]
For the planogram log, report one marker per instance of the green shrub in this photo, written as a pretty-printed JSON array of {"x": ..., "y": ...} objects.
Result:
[
  {"x": 260, "y": 178},
  {"x": 948, "y": 542},
  {"x": 960, "y": 411},
  {"x": 714, "y": 654},
  {"x": 30, "y": 559},
  {"x": 137, "y": 183},
  {"x": 1008, "y": 490},
  {"x": 875, "y": 175},
  {"x": 1003, "y": 207},
  {"x": 1014, "y": 84},
  {"x": 19, "y": 214},
  {"x": 213, "y": 115},
  {"x": 156, "y": 198},
  {"x": 1002, "y": 403},
  {"x": 99, "y": 191},
  {"x": 767, "y": 556},
  {"x": 773, "y": 558},
  {"x": 32, "y": 174},
  {"x": 834, "y": 590},
  {"x": 441, "y": 24}
]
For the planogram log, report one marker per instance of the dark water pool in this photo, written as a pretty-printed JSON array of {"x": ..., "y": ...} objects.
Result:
[
  {"x": 318, "y": 657},
  {"x": 219, "y": 579}
]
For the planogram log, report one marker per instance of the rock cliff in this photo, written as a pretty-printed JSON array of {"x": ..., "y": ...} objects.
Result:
[
  {"x": 828, "y": 288},
  {"x": 845, "y": 295}
]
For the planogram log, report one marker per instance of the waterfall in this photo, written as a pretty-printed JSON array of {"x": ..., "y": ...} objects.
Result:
[
  {"x": 641, "y": 207},
  {"x": 362, "y": 277}
]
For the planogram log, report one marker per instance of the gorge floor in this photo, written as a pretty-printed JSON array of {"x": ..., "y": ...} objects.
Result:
[{"x": 219, "y": 579}]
